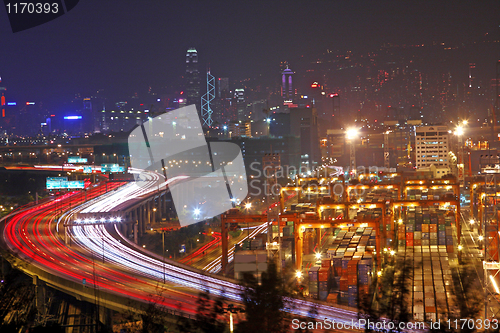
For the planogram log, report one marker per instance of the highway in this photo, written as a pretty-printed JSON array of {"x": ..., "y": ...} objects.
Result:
[{"x": 108, "y": 261}]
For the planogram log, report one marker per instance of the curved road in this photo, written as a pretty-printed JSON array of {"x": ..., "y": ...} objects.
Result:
[{"x": 111, "y": 263}]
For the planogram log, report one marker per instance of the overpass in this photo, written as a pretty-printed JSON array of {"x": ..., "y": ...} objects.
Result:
[{"x": 111, "y": 264}]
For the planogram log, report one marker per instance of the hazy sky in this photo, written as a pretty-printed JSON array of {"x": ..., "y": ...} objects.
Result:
[{"x": 123, "y": 45}]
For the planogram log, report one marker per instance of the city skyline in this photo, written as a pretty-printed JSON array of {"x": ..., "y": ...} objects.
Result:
[{"x": 129, "y": 47}]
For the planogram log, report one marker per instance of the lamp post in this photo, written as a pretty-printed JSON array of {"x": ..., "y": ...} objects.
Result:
[
  {"x": 248, "y": 205},
  {"x": 352, "y": 134},
  {"x": 459, "y": 131}
]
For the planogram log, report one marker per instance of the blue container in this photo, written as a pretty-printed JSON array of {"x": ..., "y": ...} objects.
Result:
[
  {"x": 337, "y": 261},
  {"x": 323, "y": 295},
  {"x": 441, "y": 241},
  {"x": 442, "y": 234},
  {"x": 418, "y": 227},
  {"x": 449, "y": 241},
  {"x": 345, "y": 263},
  {"x": 313, "y": 273},
  {"x": 353, "y": 301},
  {"x": 353, "y": 290},
  {"x": 323, "y": 286}
]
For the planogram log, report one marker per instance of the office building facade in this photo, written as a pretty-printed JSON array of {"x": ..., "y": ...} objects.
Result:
[{"x": 432, "y": 145}]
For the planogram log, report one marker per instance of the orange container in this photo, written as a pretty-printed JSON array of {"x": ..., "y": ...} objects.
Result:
[
  {"x": 344, "y": 284},
  {"x": 450, "y": 249},
  {"x": 409, "y": 235},
  {"x": 425, "y": 227},
  {"x": 433, "y": 228},
  {"x": 323, "y": 274},
  {"x": 352, "y": 280},
  {"x": 352, "y": 266},
  {"x": 326, "y": 263},
  {"x": 332, "y": 298}
]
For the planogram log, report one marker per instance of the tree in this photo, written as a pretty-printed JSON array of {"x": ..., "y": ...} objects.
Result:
[
  {"x": 208, "y": 316},
  {"x": 367, "y": 310},
  {"x": 154, "y": 317},
  {"x": 264, "y": 303},
  {"x": 465, "y": 289},
  {"x": 394, "y": 292}
]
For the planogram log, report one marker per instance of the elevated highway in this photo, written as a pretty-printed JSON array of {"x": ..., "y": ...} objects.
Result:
[{"x": 98, "y": 258}]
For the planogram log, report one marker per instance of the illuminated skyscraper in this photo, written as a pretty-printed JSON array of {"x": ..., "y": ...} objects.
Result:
[
  {"x": 286, "y": 84},
  {"x": 192, "y": 78},
  {"x": 223, "y": 86},
  {"x": 2, "y": 100}
]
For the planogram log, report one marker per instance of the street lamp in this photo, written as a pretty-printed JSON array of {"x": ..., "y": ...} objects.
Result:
[
  {"x": 352, "y": 134},
  {"x": 459, "y": 131}
]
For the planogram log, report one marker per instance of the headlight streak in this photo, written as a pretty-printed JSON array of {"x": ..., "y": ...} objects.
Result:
[
  {"x": 129, "y": 269},
  {"x": 119, "y": 254}
]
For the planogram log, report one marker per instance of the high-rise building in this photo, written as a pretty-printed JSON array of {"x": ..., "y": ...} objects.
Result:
[
  {"x": 223, "y": 86},
  {"x": 304, "y": 123},
  {"x": 239, "y": 95},
  {"x": 432, "y": 146},
  {"x": 192, "y": 78},
  {"x": 286, "y": 84},
  {"x": 2, "y": 100}
]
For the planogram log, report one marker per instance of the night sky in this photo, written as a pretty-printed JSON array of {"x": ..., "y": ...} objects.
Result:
[{"x": 126, "y": 45}]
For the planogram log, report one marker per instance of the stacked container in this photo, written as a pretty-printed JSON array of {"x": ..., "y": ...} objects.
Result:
[
  {"x": 425, "y": 227},
  {"x": 351, "y": 266},
  {"x": 324, "y": 279},
  {"x": 313, "y": 281}
]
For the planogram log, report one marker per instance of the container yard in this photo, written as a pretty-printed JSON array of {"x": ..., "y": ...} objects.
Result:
[
  {"x": 346, "y": 272},
  {"x": 342, "y": 243}
]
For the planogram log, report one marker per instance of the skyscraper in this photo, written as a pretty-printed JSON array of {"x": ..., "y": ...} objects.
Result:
[
  {"x": 192, "y": 78},
  {"x": 286, "y": 84},
  {"x": 223, "y": 86},
  {"x": 2, "y": 100}
]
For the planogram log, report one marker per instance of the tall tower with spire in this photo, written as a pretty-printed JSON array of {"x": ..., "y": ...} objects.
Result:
[
  {"x": 2, "y": 100},
  {"x": 286, "y": 84},
  {"x": 192, "y": 78}
]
